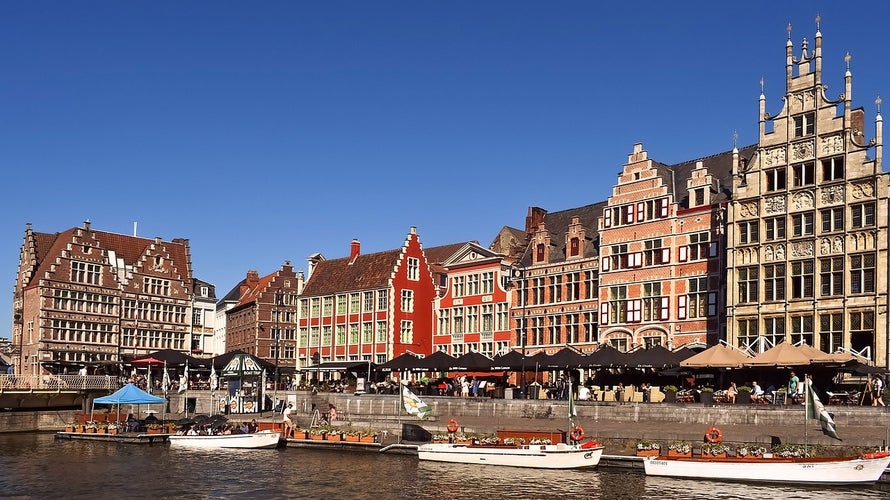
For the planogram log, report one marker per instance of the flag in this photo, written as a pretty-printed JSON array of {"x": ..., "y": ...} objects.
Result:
[
  {"x": 166, "y": 380},
  {"x": 213, "y": 378},
  {"x": 817, "y": 411},
  {"x": 413, "y": 404},
  {"x": 184, "y": 380}
]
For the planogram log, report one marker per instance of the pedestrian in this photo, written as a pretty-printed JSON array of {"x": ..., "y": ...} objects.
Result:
[
  {"x": 792, "y": 387},
  {"x": 286, "y": 422},
  {"x": 877, "y": 397}
]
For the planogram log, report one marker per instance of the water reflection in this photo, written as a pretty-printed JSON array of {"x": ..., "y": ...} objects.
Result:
[{"x": 35, "y": 465}]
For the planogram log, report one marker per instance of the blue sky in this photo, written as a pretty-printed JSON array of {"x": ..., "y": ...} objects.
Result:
[{"x": 269, "y": 131}]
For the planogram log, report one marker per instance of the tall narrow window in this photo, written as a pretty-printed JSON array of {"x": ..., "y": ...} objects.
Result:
[
  {"x": 802, "y": 279},
  {"x": 862, "y": 273},
  {"x": 831, "y": 276},
  {"x": 804, "y": 124},
  {"x": 774, "y": 282},
  {"x": 775, "y": 179}
]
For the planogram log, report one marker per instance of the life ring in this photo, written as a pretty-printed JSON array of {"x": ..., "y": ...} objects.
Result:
[
  {"x": 452, "y": 425},
  {"x": 714, "y": 435},
  {"x": 577, "y": 433}
]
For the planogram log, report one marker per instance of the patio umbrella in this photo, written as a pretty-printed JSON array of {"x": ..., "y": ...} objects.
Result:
[
  {"x": 565, "y": 358},
  {"x": 511, "y": 361},
  {"x": 653, "y": 357},
  {"x": 606, "y": 356},
  {"x": 438, "y": 361},
  {"x": 782, "y": 354},
  {"x": 402, "y": 363},
  {"x": 718, "y": 356},
  {"x": 471, "y": 362}
]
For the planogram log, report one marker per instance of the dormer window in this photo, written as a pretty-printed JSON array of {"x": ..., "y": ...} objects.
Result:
[{"x": 574, "y": 247}]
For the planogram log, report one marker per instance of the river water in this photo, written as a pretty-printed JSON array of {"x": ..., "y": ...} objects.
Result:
[{"x": 38, "y": 466}]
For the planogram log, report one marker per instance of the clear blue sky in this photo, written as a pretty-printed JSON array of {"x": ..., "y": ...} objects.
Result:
[{"x": 269, "y": 131}]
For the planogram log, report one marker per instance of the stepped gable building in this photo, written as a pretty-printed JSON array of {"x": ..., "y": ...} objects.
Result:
[
  {"x": 807, "y": 256},
  {"x": 662, "y": 253},
  {"x": 554, "y": 284},
  {"x": 473, "y": 309},
  {"x": 263, "y": 322},
  {"x": 370, "y": 306},
  {"x": 204, "y": 320},
  {"x": 87, "y": 297}
]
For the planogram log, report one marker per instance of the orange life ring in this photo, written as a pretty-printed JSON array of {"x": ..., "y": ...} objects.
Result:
[
  {"x": 713, "y": 435},
  {"x": 452, "y": 425},
  {"x": 577, "y": 433}
]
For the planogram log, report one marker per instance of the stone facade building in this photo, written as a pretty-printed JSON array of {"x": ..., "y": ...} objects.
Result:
[{"x": 807, "y": 227}]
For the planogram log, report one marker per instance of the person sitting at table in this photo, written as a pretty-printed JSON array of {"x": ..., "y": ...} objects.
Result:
[
  {"x": 757, "y": 395},
  {"x": 731, "y": 393},
  {"x": 619, "y": 391},
  {"x": 583, "y": 393},
  {"x": 132, "y": 423}
]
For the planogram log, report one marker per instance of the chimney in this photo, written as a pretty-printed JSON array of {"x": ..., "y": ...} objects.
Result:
[
  {"x": 253, "y": 278},
  {"x": 355, "y": 248}
]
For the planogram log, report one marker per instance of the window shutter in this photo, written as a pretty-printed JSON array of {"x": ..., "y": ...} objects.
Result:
[
  {"x": 641, "y": 211},
  {"x": 637, "y": 259},
  {"x": 681, "y": 307},
  {"x": 605, "y": 266},
  {"x": 712, "y": 249},
  {"x": 604, "y": 313},
  {"x": 607, "y": 218},
  {"x": 665, "y": 308},
  {"x": 630, "y": 213},
  {"x": 665, "y": 255},
  {"x": 683, "y": 254},
  {"x": 664, "y": 208}
]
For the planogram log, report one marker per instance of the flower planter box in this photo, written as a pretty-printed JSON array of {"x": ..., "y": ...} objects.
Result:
[
  {"x": 648, "y": 453},
  {"x": 69, "y": 428},
  {"x": 719, "y": 455},
  {"x": 369, "y": 439},
  {"x": 112, "y": 431},
  {"x": 675, "y": 453},
  {"x": 153, "y": 431},
  {"x": 318, "y": 437},
  {"x": 91, "y": 431},
  {"x": 102, "y": 431}
]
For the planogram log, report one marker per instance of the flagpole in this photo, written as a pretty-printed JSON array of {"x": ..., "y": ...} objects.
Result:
[
  {"x": 401, "y": 404},
  {"x": 806, "y": 411}
]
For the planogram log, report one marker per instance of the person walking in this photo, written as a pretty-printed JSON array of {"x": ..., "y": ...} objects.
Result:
[
  {"x": 286, "y": 421},
  {"x": 792, "y": 388}
]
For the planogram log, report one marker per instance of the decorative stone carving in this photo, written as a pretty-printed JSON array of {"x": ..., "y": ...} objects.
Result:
[
  {"x": 863, "y": 190},
  {"x": 774, "y": 156},
  {"x": 832, "y": 144},
  {"x": 832, "y": 195},
  {"x": 838, "y": 244},
  {"x": 802, "y": 150},
  {"x": 774, "y": 205},
  {"x": 825, "y": 246},
  {"x": 748, "y": 209},
  {"x": 803, "y": 200},
  {"x": 768, "y": 253},
  {"x": 802, "y": 249},
  {"x": 780, "y": 252},
  {"x": 804, "y": 100}
]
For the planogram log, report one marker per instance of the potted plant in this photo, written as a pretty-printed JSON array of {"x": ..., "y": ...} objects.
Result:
[
  {"x": 69, "y": 427},
  {"x": 91, "y": 427},
  {"x": 744, "y": 395},
  {"x": 707, "y": 396},
  {"x": 369, "y": 436},
  {"x": 750, "y": 450},
  {"x": 647, "y": 448},
  {"x": 680, "y": 449},
  {"x": 153, "y": 428},
  {"x": 102, "y": 427},
  {"x": 714, "y": 450},
  {"x": 670, "y": 393},
  {"x": 112, "y": 428}
]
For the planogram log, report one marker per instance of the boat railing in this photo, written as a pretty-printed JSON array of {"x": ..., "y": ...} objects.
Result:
[{"x": 59, "y": 382}]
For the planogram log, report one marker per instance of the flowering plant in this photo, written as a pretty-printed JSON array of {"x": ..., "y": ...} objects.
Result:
[
  {"x": 92, "y": 424},
  {"x": 540, "y": 441},
  {"x": 488, "y": 439},
  {"x": 112, "y": 426},
  {"x": 791, "y": 450},
  {"x": 753, "y": 450},
  {"x": 714, "y": 448},
  {"x": 645, "y": 444},
  {"x": 510, "y": 441},
  {"x": 680, "y": 446},
  {"x": 440, "y": 437}
]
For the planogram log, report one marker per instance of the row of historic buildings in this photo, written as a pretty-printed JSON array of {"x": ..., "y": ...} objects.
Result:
[{"x": 784, "y": 240}]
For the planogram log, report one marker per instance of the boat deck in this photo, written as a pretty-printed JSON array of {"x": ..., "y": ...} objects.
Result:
[{"x": 126, "y": 437}]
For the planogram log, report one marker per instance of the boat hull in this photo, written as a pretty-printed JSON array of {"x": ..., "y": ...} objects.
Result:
[
  {"x": 784, "y": 470},
  {"x": 255, "y": 440},
  {"x": 553, "y": 456}
]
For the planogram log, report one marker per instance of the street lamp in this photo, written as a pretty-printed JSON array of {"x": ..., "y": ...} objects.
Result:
[{"x": 519, "y": 275}]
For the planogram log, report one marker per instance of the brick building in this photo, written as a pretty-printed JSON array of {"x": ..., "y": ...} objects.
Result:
[{"x": 93, "y": 298}]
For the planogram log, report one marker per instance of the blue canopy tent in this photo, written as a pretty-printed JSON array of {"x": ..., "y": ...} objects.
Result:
[{"x": 128, "y": 394}]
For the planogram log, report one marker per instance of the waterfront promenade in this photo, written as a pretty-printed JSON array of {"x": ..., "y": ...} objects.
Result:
[{"x": 617, "y": 425}]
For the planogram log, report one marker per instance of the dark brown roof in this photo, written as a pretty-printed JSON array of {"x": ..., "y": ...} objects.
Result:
[
  {"x": 718, "y": 165},
  {"x": 557, "y": 223},
  {"x": 367, "y": 272}
]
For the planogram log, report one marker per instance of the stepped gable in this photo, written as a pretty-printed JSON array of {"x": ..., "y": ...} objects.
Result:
[
  {"x": 250, "y": 290},
  {"x": 557, "y": 224},
  {"x": 719, "y": 166},
  {"x": 129, "y": 248}
]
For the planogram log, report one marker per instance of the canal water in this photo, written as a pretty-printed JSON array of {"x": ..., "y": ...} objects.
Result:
[{"x": 38, "y": 466}]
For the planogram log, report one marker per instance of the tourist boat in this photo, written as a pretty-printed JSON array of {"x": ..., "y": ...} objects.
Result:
[
  {"x": 552, "y": 452},
  {"x": 770, "y": 467},
  {"x": 818, "y": 470},
  {"x": 254, "y": 440}
]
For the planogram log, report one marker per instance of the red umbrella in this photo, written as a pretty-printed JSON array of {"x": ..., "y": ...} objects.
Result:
[{"x": 146, "y": 361}]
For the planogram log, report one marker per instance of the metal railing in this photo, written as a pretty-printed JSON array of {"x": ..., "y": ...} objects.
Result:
[{"x": 59, "y": 382}]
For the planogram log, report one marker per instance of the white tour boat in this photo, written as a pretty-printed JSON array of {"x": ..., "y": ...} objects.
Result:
[
  {"x": 769, "y": 467},
  {"x": 253, "y": 440},
  {"x": 552, "y": 452}
]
